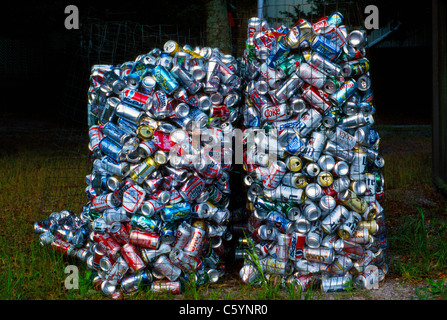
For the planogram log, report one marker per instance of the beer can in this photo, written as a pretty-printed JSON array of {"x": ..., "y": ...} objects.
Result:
[
  {"x": 326, "y": 162},
  {"x": 333, "y": 220},
  {"x": 314, "y": 147},
  {"x": 164, "y": 266},
  {"x": 277, "y": 170},
  {"x": 172, "y": 287},
  {"x": 337, "y": 283},
  {"x": 275, "y": 266},
  {"x": 321, "y": 254},
  {"x": 347, "y": 228},
  {"x": 293, "y": 163},
  {"x": 132, "y": 258}
]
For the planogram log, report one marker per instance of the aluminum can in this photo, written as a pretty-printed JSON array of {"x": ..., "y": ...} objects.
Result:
[
  {"x": 342, "y": 138},
  {"x": 339, "y": 97},
  {"x": 291, "y": 141},
  {"x": 104, "y": 202},
  {"x": 132, "y": 258},
  {"x": 164, "y": 266},
  {"x": 165, "y": 79},
  {"x": 314, "y": 147},
  {"x": 286, "y": 194},
  {"x": 311, "y": 75},
  {"x": 336, "y": 284},
  {"x": 178, "y": 211},
  {"x": 192, "y": 188},
  {"x": 194, "y": 245},
  {"x": 172, "y": 287},
  {"x": 184, "y": 261},
  {"x": 323, "y": 255},
  {"x": 338, "y": 152},
  {"x": 136, "y": 281},
  {"x": 276, "y": 112},
  {"x": 117, "y": 270},
  {"x": 109, "y": 148},
  {"x": 296, "y": 245},
  {"x": 318, "y": 100},
  {"x": 95, "y": 134},
  {"x": 313, "y": 191},
  {"x": 133, "y": 198},
  {"x": 293, "y": 163},
  {"x": 347, "y": 228},
  {"x": 276, "y": 266},
  {"x": 310, "y": 210},
  {"x": 314, "y": 237},
  {"x": 150, "y": 207},
  {"x": 140, "y": 173},
  {"x": 325, "y": 47},
  {"x": 279, "y": 221},
  {"x": 271, "y": 75},
  {"x": 332, "y": 221},
  {"x": 327, "y": 204},
  {"x": 326, "y": 162},
  {"x": 277, "y": 170},
  {"x": 145, "y": 223},
  {"x": 300, "y": 36},
  {"x": 288, "y": 88},
  {"x": 355, "y": 67},
  {"x": 148, "y": 240},
  {"x": 323, "y": 64}
]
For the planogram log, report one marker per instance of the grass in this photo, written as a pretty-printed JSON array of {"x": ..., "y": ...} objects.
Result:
[{"x": 37, "y": 179}]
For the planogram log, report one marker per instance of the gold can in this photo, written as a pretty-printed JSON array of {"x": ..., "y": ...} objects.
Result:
[
  {"x": 171, "y": 47},
  {"x": 371, "y": 225},
  {"x": 300, "y": 181},
  {"x": 145, "y": 132},
  {"x": 325, "y": 179},
  {"x": 198, "y": 223},
  {"x": 294, "y": 164}
]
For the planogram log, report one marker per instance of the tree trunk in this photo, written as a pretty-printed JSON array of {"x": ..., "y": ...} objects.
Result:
[{"x": 217, "y": 27}]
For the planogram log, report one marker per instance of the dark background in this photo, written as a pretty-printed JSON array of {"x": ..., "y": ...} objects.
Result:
[{"x": 44, "y": 73}]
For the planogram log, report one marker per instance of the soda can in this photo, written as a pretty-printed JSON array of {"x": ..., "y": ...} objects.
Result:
[
  {"x": 275, "y": 112},
  {"x": 311, "y": 75},
  {"x": 165, "y": 79},
  {"x": 333, "y": 220},
  {"x": 192, "y": 188},
  {"x": 145, "y": 223},
  {"x": 186, "y": 79},
  {"x": 250, "y": 274},
  {"x": 148, "y": 240},
  {"x": 296, "y": 245},
  {"x": 288, "y": 88},
  {"x": 327, "y": 203},
  {"x": 132, "y": 198},
  {"x": 111, "y": 149},
  {"x": 355, "y": 67},
  {"x": 271, "y": 75},
  {"x": 337, "y": 283},
  {"x": 322, "y": 63},
  {"x": 194, "y": 245},
  {"x": 313, "y": 191},
  {"x": 95, "y": 134},
  {"x": 132, "y": 258},
  {"x": 279, "y": 221},
  {"x": 277, "y": 170},
  {"x": 293, "y": 163},
  {"x": 178, "y": 211},
  {"x": 164, "y": 266},
  {"x": 184, "y": 261},
  {"x": 339, "y": 97},
  {"x": 150, "y": 207},
  {"x": 116, "y": 271},
  {"x": 104, "y": 202},
  {"x": 323, "y": 255},
  {"x": 172, "y": 287}
]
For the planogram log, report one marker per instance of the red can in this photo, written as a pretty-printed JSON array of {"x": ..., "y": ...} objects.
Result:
[
  {"x": 172, "y": 287},
  {"x": 182, "y": 236},
  {"x": 144, "y": 239},
  {"x": 132, "y": 258},
  {"x": 62, "y": 246},
  {"x": 194, "y": 246},
  {"x": 120, "y": 232},
  {"x": 108, "y": 242}
]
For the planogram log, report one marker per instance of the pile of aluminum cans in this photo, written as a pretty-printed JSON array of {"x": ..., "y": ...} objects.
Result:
[
  {"x": 313, "y": 170},
  {"x": 159, "y": 186}
]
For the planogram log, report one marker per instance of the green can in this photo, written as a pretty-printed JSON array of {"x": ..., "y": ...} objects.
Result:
[{"x": 290, "y": 64}]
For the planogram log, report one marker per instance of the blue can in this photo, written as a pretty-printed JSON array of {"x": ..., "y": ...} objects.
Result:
[
  {"x": 335, "y": 18},
  {"x": 326, "y": 48},
  {"x": 168, "y": 232},
  {"x": 278, "y": 54},
  {"x": 165, "y": 79},
  {"x": 344, "y": 93},
  {"x": 178, "y": 211},
  {"x": 114, "y": 132},
  {"x": 110, "y": 148}
]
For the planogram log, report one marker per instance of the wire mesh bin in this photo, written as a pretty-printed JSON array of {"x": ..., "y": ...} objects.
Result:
[
  {"x": 314, "y": 172},
  {"x": 162, "y": 135}
]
